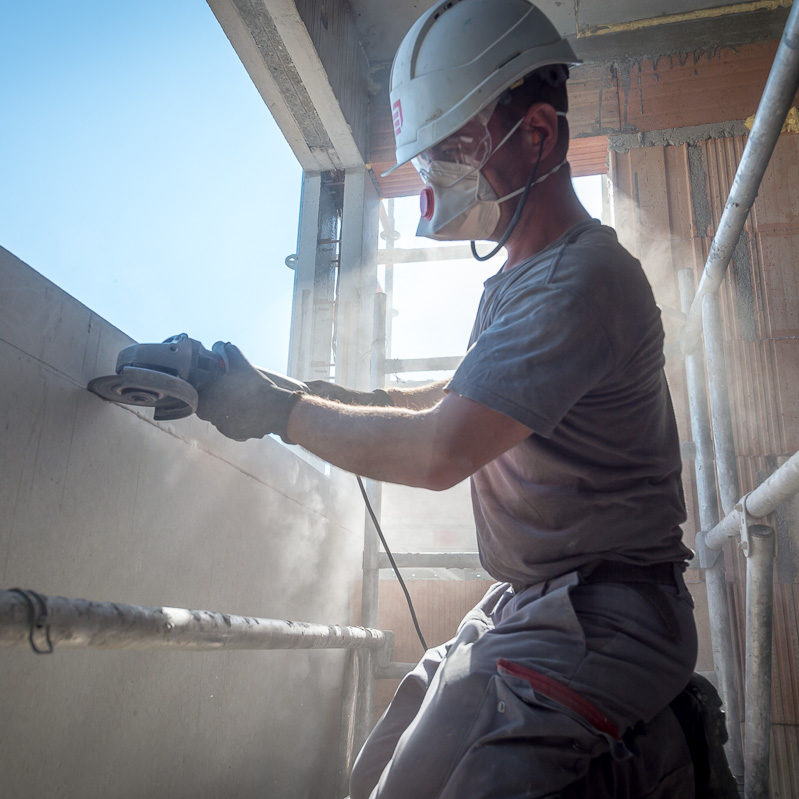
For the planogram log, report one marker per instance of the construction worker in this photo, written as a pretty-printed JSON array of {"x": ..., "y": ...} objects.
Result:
[{"x": 560, "y": 415}]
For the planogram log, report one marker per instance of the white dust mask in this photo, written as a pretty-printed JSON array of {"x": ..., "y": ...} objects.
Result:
[
  {"x": 466, "y": 209},
  {"x": 458, "y": 203}
]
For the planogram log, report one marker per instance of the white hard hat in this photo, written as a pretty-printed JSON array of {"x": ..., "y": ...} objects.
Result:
[{"x": 458, "y": 57}]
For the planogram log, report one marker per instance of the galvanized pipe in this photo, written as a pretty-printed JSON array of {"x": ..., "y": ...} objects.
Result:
[
  {"x": 704, "y": 459},
  {"x": 759, "y": 622},
  {"x": 781, "y": 86},
  {"x": 721, "y": 415},
  {"x": 349, "y": 710},
  {"x": 30, "y": 618},
  {"x": 364, "y": 687},
  {"x": 444, "y": 363},
  {"x": 772, "y": 492},
  {"x": 724, "y": 661},
  {"x": 365, "y": 672}
]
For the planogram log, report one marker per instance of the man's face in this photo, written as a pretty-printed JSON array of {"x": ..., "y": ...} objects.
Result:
[{"x": 469, "y": 146}]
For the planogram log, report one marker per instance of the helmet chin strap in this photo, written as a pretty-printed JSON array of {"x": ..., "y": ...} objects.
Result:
[{"x": 517, "y": 214}]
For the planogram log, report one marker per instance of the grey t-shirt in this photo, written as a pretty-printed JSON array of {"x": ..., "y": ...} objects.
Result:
[{"x": 570, "y": 344}]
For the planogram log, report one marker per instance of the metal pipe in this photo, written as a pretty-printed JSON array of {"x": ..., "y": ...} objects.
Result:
[
  {"x": 370, "y": 547},
  {"x": 781, "y": 86},
  {"x": 28, "y": 617},
  {"x": 704, "y": 457},
  {"x": 721, "y": 416},
  {"x": 443, "y": 363},
  {"x": 365, "y": 689},
  {"x": 435, "y": 560},
  {"x": 759, "y": 622},
  {"x": 349, "y": 712},
  {"x": 772, "y": 492},
  {"x": 365, "y": 686},
  {"x": 416, "y": 255},
  {"x": 392, "y": 235},
  {"x": 725, "y": 663}
]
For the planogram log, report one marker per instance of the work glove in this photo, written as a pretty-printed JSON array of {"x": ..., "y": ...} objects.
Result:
[{"x": 243, "y": 402}]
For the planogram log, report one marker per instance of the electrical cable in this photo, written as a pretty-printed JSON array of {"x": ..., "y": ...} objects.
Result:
[
  {"x": 392, "y": 561},
  {"x": 517, "y": 215}
]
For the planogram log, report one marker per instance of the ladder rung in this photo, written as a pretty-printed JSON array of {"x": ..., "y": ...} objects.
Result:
[
  {"x": 446, "y": 363},
  {"x": 439, "y": 560}
]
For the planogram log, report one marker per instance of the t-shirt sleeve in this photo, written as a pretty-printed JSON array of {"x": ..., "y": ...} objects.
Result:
[{"x": 545, "y": 349}]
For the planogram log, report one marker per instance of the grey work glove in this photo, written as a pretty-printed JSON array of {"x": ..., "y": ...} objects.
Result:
[{"x": 243, "y": 402}]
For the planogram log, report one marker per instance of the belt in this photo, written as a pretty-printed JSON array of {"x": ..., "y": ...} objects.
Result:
[{"x": 645, "y": 580}]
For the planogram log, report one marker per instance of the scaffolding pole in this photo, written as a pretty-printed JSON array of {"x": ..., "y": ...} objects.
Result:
[
  {"x": 775, "y": 103},
  {"x": 759, "y": 625},
  {"x": 781, "y": 485},
  {"x": 44, "y": 622},
  {"x": 781, "y": 86},
  {"x": 725, "y": 663}
]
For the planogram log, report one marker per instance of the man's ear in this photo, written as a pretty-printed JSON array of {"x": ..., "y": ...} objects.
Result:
[{"x": 541, "y": 127}]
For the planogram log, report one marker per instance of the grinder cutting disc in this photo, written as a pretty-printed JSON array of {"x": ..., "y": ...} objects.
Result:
[{"x": 170, "y": 396}]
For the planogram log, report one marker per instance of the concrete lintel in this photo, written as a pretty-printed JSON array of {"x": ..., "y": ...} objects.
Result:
[
  {"x": 624, "y": 142},
  {"x": 277, "y": 50}
]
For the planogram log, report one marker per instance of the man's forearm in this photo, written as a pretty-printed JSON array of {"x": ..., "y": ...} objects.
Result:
[
  {"x": 418, "y": 398},
  {"x": 395, "y": 445}
]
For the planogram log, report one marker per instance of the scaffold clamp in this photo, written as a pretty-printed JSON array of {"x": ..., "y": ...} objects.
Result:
[
  {"x": 746, "y": 521},
  {"x": 38, "y": 618}
]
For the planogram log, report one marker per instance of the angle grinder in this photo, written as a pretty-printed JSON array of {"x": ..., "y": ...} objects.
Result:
[
  {"x": 164, "y": 376},
  {"x": 168, "y": 376}
]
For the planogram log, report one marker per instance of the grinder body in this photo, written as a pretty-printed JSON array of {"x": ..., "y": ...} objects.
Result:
[{"x": 165, "y": 377}]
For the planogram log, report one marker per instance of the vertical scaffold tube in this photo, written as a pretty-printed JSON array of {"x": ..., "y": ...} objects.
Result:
[
  {"x": 721, "y": 415},
  {"x": 759, "y": 623},
  {"x": 724, "y": 661},
  {"x": 371, "y": 570}
]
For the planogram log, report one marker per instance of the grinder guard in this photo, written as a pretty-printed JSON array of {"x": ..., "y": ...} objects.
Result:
[{"x": 164, "y": 376}]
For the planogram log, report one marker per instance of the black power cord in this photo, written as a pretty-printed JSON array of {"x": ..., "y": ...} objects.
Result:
[
  {"x": 392, "y": 562},
  {"x": 517, "y": 215}
]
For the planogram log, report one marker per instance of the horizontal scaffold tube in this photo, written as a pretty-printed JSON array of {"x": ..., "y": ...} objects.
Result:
[
  {"x": 26, "y": 616},
  {"x": 772, "y": 492},
  {"x": 435, "y": 560}
]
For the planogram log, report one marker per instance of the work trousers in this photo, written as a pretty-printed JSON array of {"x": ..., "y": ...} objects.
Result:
[{"x": 475, "y": 720}]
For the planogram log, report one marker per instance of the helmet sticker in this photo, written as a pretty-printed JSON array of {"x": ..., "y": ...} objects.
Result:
[{"x": 397, "y": 114}]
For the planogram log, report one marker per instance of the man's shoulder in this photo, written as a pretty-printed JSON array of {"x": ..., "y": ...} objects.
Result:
[
  {"x": 598, "y": 267},
  {"x": 597, "y": 251}
]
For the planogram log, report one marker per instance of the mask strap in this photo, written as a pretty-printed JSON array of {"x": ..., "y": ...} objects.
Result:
[
  {"x": 534, "y": 183},
  {"x": 525, "y": 193},
  {"x": 509, "y": 134},
  {"x": 505, "y": 138}
]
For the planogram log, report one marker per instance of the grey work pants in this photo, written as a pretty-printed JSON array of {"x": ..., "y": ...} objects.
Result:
[{"x": 459, "y": 726}]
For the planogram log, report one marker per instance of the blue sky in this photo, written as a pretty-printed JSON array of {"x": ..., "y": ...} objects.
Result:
[{"x": 143, "y": 173}]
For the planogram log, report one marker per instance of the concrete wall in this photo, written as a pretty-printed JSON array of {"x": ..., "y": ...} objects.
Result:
[{"x": 98, "y": 501}]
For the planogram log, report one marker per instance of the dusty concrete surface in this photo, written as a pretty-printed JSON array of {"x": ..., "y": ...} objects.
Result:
[{"x": 97, "y": 501}]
